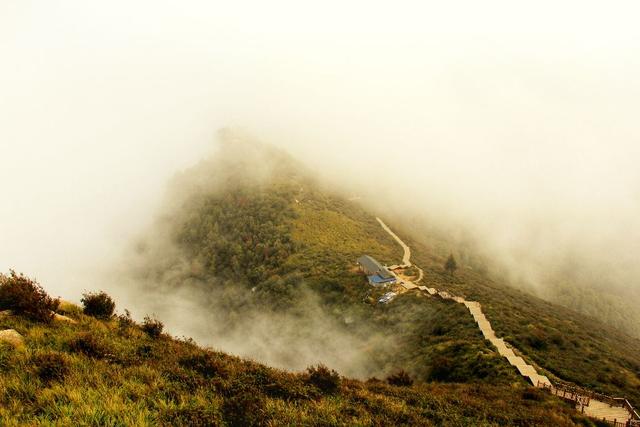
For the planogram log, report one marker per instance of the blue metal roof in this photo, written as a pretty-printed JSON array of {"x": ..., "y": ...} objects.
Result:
[{"x": 377, "y": 278}]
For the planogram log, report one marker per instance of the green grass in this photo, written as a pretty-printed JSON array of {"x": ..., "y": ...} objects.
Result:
[{"x": 137, "y": 380}]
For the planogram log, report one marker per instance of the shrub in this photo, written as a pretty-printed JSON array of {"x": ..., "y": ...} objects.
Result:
[
  {"x": 88, "y": 344},
  {"x": 533, "y": 394},
  {"x": 325, "y": 379},
  {"x": 51, "y": 366},
  {"x": 125, "y": 320},
  {"x": 192, "y": 416},
  {"x": 281, "y": 385},
  {"x": 245, "y": 409},
  {"x": 206, "y": 364},
  {"x": 153, "y": 327},
  {"x": 400, "y": 378},
  {"x": 537, "y": 339},
  {"x": 442, "y": 369},
  {"x": 98, "y": 304},
  {"x": 25, "y": 296},
  {"x": 618, "y": 380},
  {"x": 451, "y": 265},
  {"x": 145, "y": 351}
]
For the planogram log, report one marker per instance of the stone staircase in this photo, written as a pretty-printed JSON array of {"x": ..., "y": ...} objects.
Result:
[
  {"x": 617, "y": 412},
  {"x": 613, "y": 413},
  {"x": 523, "y": 367}
]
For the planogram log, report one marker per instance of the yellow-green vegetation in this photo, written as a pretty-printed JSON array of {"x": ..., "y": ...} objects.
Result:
[
  {"x": 335, "y": 228},
  {"x": 285, "y": 246},
  {"x": 110, "y": 372},
  {"x": 262, "y": 237}
]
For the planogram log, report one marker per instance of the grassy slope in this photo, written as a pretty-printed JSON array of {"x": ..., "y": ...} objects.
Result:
[
  {"x": 283, "y": 235},
  {"x": 435, "y": 340},
  {"x": 128, "y": 378},
  {"x": 329, "y": 233},
  {"x": 567, "y": 344}
]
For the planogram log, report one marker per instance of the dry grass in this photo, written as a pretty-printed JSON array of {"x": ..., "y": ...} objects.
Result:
[{"x": 164, "y": 381}]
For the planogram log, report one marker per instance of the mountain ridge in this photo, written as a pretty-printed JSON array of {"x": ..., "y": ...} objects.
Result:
[{"x": 262, "y": 255}]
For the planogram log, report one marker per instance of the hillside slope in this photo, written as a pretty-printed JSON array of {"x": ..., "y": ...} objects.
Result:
[
  {"x": 110, "y": 372},
  {"x": 271, "y": 246},
  {"x": 567, "y": 345},
  {"x": 253, "y": 233}
]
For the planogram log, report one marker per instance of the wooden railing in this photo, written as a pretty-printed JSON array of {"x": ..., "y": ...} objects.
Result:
[
  {"x": 583, "y": 398},
  {"x": 628, "y": 423},
  {"x": 625, "y": 404},
  {"x": 568, "y": 393}
]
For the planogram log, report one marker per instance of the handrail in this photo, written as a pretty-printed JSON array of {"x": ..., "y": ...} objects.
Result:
[
  {"x": 629, "y": 407},
  {"x": 614, "y": 401},
  {"x": 567, "y": 393},
  {"x": 583, "y": 397}
]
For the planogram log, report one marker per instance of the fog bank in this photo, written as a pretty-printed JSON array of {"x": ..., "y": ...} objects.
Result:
[{"x": 517, "y": 124}]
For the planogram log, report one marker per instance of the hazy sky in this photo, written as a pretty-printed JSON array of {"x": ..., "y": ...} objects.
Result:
[{"x": 509, "y": 117}]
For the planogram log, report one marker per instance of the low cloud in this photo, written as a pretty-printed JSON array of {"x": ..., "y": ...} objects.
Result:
[{"x": 517, "y": 128}]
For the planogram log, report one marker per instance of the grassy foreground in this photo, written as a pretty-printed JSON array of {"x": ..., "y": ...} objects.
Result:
[{"x": 110, "y": 372}]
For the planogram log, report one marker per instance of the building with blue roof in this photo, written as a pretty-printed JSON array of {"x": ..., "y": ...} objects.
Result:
[{"x": 377, "y": 274}]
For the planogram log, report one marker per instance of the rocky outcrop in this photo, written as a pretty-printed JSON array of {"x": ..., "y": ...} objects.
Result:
[
  {"x": 11, "y": 336},
  {"x": 60, "y": 318}
]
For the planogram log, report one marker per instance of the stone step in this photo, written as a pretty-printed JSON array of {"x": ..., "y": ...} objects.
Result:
[
  {"x": 506, "y": 353},
  {"x": 485, "y": 326},
  {"x": 503, "y": 350},
  {"x": 533, "y": 379},
  {"x": 600, "y": 410},
  {"x": 538, "y": 380},
  {"x": 526, "y": 370},
  {"x": 516, "y": 360},
  {"x": 543, "y": 379},
  {"x": 488, "y": 335}
]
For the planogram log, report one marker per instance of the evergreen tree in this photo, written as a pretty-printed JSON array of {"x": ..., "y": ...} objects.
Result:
[{"x": 451, "y": 265}]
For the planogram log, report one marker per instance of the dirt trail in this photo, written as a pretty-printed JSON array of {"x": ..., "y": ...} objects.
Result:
[{"x": 406, "y": 258}]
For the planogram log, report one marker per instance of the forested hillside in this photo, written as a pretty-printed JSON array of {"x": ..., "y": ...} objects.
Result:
[
  {"x": 254, "y": 233},
  {"x": 274, "y": 241}
]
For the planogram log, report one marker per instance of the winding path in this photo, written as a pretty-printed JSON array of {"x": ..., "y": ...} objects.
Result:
[
  {"x": 406, "y": 258},
  {"x": 610, "y": 411}
]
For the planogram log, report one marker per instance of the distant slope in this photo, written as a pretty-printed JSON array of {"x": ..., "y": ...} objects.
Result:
[{"x": 570, "y": 346}]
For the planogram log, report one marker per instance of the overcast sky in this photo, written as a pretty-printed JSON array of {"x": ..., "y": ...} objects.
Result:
[{"x": 509, "y": 117}]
